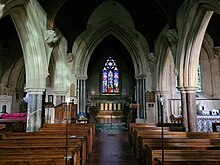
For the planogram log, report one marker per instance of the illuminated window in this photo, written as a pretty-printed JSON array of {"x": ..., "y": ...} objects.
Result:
[
  {"x": 199, "y": 83},
  {"x": 110, "y": 77}
]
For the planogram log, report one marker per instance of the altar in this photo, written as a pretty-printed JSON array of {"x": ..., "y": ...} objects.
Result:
[
  {"x": 110, "y": 112},
  {"x": 204, "y": 123}
]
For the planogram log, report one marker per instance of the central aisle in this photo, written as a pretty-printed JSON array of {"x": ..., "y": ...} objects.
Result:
[{"x": 112, "y": 148}]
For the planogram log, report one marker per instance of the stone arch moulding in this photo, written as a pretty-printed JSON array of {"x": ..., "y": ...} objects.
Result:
[
  {"x": 161, "y": 67},
  {"x": 9, "y": 6},
  {"x": 14, "y": 77},
  {"x": 189, "y": 44},
  {"x": 25, "y": 21},
  {"x": 90, "y": 38},
  {"x": 211, "y": 5},
  {"x": 208, "y": 46}
]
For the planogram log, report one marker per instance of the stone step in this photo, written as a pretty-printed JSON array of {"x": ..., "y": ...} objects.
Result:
[{"x": 111, "y": 127}]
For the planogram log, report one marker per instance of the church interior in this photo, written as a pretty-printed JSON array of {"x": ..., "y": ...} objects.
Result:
[{"x": 79, "y": 74}]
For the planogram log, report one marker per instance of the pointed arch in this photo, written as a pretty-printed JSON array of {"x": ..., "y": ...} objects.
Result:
[
  {"x": 30, "y": 33},
  {"x": 89, "y": 39},
  {"x": 191, "y": 34}
]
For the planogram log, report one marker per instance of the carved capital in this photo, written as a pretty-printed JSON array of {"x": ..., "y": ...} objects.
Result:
[
  {"x": 70, "y": 57},
  {"x": 151, "y": 57},
  {"x": 172, "y": 36},
  {"x": 51, "y": 37},
  {"x": 176, "y": 72},
  {"x": 216, "y": 51}
]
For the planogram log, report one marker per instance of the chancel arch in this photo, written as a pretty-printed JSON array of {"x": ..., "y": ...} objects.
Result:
[{"x": 129, "y": 37}]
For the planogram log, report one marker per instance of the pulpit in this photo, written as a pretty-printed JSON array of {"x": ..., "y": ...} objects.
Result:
[{"x": 65, "y": 112}]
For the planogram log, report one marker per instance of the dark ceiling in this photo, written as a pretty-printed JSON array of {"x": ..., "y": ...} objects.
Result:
[{"x": 149, "y": 16}]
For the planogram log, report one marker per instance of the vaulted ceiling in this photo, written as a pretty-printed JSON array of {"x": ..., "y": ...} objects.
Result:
[{"x": 149, "y": 16}]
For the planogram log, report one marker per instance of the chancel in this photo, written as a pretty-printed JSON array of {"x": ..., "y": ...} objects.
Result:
[{"x": 73, "y": 71}]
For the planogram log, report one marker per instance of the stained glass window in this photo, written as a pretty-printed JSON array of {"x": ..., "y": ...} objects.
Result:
[
  {"x": 110, "y": 77},
  {"x": 199, "y": 83}
]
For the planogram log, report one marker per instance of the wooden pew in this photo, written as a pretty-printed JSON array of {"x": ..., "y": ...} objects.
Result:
[
  {"x": 90, "y": 126},
  {"x": 170, "y": 135},
  {"x": 142, "y": 131},
  {"x": 73, "y": 148},
  {"x": 47, "y": 144},
  {"x": 151, "y": 132},
  {"x": 42, "y": 157},
  {"x": 145, "y": 139},
  {"x": 57, "y": 134},
  {"x": 73, "y": 130},
  {"x": 137, "y": 127},
  {"x": 132, "y": 126},
  {"x": 53, "y": 136},
  {"x": 178, "y": 144},
  {"x": 175, "y": 143},
  {"x": 183, "y": 157}
]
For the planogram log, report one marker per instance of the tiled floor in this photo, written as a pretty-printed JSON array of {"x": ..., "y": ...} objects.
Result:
[{"x": 111, "y": 148}]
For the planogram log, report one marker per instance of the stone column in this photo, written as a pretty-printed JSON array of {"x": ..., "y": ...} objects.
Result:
[
  {"x": 81, "y": 95},
  {"x": 184, "y": 108},
  {"x": 191, "y": 108},
  {"x": 138, "y": 98},
  {"x": 141, "y": 98},
  {"x": 34, "y": 111}
]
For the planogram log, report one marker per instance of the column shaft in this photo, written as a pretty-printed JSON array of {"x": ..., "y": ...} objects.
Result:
[
  {"x": 141, "y": 99},
  {"x": 192, "y": 114},
  {"x": 34, "y": 118},
  {"x": 184, "y": 111},
  {"x": 82, "y": 96}
]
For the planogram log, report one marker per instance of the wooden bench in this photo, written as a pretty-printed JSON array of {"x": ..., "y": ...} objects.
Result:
[
  {"x": 145, "y": 139},
  {"x": 53, "y": 136},
  {"x": 180, "y": 144},
  {"x": 40, "y": 151},
  {"x": 183, "y": 157},
  {"x": 137, "y": 127},
  {"x": 73, "y": 130},
  {"x": 90, "y": 126},
  {"x": 132, "y": 126},
  {"x": 142, "y": 130},
  {"x": 43, "y": 157},
  {"x": 46, "y": 144},
  {"x": 172, "y": 135}
]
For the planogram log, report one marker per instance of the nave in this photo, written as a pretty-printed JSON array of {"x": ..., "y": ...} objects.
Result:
[{"x": 112, "y": 147}]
